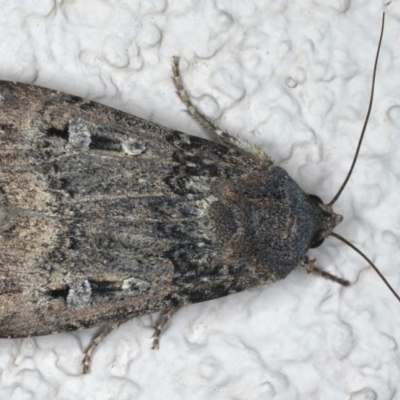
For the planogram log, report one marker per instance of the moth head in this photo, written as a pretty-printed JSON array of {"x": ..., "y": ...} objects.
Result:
[{"x": 329, "y": 221}]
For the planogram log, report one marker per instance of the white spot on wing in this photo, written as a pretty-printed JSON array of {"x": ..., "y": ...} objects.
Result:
[{"x": 79, "y": 295}]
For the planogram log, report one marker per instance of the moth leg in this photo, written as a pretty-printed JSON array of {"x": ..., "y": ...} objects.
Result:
[
  {"x": 310, "y": 266},
  {"x": 100, "y": 335},
  {"x": 224, "y": 137},
  {"x": 163, "y": 319}
]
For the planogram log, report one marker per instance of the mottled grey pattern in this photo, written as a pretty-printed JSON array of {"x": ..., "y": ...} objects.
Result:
[{"x": 109, "y": 216}]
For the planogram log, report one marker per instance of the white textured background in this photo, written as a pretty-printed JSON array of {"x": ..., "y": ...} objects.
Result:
[{"x": 294, "y": 78}]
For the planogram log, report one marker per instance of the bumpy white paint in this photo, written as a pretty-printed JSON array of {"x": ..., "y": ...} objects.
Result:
[{"x": 292, "y": 77}]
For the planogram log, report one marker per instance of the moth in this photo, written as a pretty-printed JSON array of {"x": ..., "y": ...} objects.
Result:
[{"x": 106, "y": 216}]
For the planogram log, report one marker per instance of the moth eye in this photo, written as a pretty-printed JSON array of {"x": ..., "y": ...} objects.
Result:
[
  {"x": 317, "y": 240},
  {"x": 315, "y": 198},
  {"x": 317, "y": 243}
]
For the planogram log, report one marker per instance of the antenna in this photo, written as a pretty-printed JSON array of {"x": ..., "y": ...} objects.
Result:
[
  {"x": 333, "y": 201},
  {"x": 342, "y": 239}
]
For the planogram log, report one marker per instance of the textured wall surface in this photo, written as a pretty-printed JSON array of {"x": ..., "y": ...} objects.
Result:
[{"x": 292, "y": 77}]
